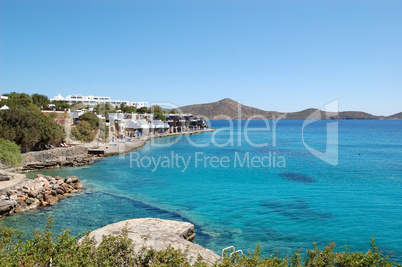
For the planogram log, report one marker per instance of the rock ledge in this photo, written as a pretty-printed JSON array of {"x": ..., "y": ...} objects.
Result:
[{"x": 159, "y": 234}]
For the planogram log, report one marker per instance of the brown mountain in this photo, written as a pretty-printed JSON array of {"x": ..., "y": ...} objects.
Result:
[
  {"x": 226, "y": 109},
  {"x": 397, "y": 116}
]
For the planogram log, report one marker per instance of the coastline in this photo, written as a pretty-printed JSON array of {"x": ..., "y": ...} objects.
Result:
[
  {"x": 84, "y": 154},
  {"x": 16, "y": 180},
  {"x": 124, "y": 148}
]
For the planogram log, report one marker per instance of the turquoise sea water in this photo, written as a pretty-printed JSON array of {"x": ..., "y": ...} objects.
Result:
[{"x": 296, "y": 200}]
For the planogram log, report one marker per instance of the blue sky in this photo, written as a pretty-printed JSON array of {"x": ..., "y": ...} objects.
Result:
[{"x": 274, "y": 55}]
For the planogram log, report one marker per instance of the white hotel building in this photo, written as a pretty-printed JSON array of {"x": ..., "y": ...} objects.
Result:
[{"x": 94, "y": 100}]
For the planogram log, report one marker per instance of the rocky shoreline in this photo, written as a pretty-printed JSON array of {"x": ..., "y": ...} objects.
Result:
[
  {"x": 55, "y": 158},
  {"x": 29, "y": 194}
]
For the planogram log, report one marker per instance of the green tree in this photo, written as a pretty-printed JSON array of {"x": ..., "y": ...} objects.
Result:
[
  {"x": 142, "y": 110},
  {"x": 159, "y": 116},
  {"x": 40, "y": 100},
  {"x": 173, "y": 111},
  {"x": 131, "y": 109},
  {"x": 27, "y": 126},
  {"x": 21, "y": 126},
  {"x": 91, "y": 118},
  {"x": 51, "y": 133},
  {"x": 155, "y": 108},
  {"x": 83, "y": 132},
  {"x": 10, "y": 153},
  {"x": 61, "y": 104},
  {"x": 18, "y": 100}
]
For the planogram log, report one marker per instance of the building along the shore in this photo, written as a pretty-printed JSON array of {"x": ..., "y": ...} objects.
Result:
[
  {"x": 91, "y": 100},
  {"x": 134, "y": 125}
]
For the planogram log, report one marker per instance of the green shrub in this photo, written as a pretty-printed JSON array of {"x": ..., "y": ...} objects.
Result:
[
  {"x": 45, "y": 249},
  {"x": 159, "y": 116},
  {"x": 83, "y": 132},
  {"x": 40, "y": 100},
  {"x": 10, "y": 153},
  {"x": 142, "y": 110},
  {"x": 91, "y": 118},
  {"x": 127, "y": 109},
  {"x": 61, "y": 104}
]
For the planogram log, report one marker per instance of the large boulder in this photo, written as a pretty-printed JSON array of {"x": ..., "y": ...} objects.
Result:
[
  {"x": 7, "y": 207},
  {"x": 159, "y": 234}
]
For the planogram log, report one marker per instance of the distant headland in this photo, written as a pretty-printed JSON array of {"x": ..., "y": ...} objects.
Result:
[{"x": 227, "y": 108}]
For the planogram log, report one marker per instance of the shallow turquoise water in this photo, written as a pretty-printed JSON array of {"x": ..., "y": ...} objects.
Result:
[{"x": 288, "y": 205}]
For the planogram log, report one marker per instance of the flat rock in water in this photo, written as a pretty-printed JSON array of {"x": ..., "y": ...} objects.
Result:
[{"x": 159, "y": 234}]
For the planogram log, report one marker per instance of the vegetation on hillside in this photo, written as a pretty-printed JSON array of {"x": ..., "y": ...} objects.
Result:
[
  {"x": 10, "y": 153},
  {"x": 142, "y": 110},
  {"x": 41, "y": 101},
  {"x": 83, "y": 131},
  {"x": 61, "y": 105},
  {"x": 159, "y": 116},
  {"x": 46, "y": 249},
  {"x": 26, "y": 125},
  {"x": 88, "y": 126}
]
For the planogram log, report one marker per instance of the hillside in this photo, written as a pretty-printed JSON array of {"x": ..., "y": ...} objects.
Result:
[
  {"x": 227, "y": 108},
  {"x": 397, "y": 116}
]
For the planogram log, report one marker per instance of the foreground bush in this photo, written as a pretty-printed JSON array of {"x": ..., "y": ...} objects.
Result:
[{"x": 65, "y": 250}]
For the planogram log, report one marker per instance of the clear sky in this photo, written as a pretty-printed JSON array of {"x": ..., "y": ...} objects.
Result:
[{"x": 275, "y": 55}]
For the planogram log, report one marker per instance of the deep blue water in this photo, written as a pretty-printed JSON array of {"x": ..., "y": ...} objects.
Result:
[{"x": 288, "y": 202}]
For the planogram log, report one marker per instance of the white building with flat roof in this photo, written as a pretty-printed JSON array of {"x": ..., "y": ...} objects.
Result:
[
  {"x": 140, "y": 104},
  {"x": 95, "y": 100}
]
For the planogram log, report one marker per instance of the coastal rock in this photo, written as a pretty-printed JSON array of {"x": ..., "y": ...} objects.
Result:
[
  {"x": 2, "y": 166},
  {"x": 33, "y": 193},
  {"x": 59, "y": 191},
  {"x": 74, "y": 179},
  {"x": 11, "y": 192},
  {"x": 46, "y": 197},
  {"x": 55, "y": 187},
  {"x": 5, "y": 178},
  {"x": 7, "y": 207},
  {"x": 55, "y": 158},
  {"x": 67, "y": 188},
  {"x": 159, "y": 234},
  {"x": 41, "y": 191},
  {"x": 36, "y": 203},
  {"x": 29, "y": 200}
]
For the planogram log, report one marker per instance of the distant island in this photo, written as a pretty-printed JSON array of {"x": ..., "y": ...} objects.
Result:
[{"x": 227, "y": 108}]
